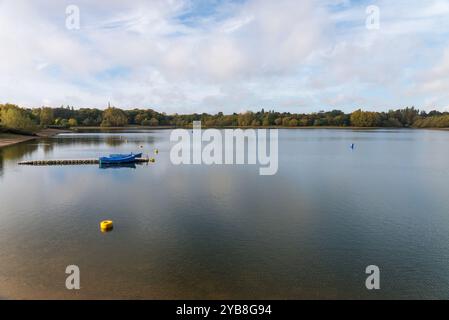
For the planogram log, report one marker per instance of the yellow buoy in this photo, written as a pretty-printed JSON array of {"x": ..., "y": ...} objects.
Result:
[
  {"x": 152, "y": 160},
  {"x": 106, "y": 225},
  {"x": 156, "y": 151}
]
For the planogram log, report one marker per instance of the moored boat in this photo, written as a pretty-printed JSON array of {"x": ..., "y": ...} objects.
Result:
[
  {"x": 119, "y": 158},
  {"x": 115, "y": 155}
]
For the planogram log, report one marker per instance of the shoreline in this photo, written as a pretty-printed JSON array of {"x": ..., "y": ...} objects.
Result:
[
  {"x": 9, "y": 139},
  {"x": 75, "y": 129}
]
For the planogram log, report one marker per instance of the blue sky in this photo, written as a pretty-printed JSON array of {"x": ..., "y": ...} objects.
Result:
[{"x": 226, "y": 55}]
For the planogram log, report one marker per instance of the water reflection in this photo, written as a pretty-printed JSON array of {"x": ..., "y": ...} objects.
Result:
[
  {"x": 110, "y": 139},
  {"x": 224, "y": 231},
  {"x": 117, "y": 165},
  {"x": 114, "y": 141},
  {"x": 15, "y": 152}
]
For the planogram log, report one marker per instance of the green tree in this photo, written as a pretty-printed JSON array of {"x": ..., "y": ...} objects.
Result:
[
  {"x": 285, "y": 121},
  {"x": 46, "y": 116},
  {"x": 114, "y": 117},
  {"x": 14, "y": 117},
  {"x": 304, "y": 122},
  {"x": 361, "y": 118},
  {"x": 140, "y": 117},
  {"x": 245, "y": 119},
  {"x": 391, "y": 122},
  {"x": 154, "y": 122}
]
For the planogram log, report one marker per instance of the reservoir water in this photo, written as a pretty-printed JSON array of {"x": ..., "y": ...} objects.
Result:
[{"x": 224, "y": 231}]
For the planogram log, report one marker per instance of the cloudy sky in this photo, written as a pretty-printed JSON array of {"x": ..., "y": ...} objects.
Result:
[{"x": 225, "y": 55}]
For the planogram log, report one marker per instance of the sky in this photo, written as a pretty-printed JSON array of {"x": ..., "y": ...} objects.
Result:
[{"x": 185, "y": 56}]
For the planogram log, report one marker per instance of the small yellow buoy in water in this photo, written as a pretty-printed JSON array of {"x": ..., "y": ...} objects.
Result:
[
  {"x": 152, "y": 160},
  {"x": 156, "y": 151},
  {"x": 106, "y": 225}
]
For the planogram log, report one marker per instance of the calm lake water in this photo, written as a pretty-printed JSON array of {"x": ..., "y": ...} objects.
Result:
[{"x": 198, "y": 231}]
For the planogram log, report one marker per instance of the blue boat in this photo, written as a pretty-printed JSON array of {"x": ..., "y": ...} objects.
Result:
[
  {"x": 118, "y": 155},
  {"x": 119, "y": 158}
]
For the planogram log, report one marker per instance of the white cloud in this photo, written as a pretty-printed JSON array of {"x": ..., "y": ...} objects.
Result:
[
  {"x": 176, "y": 57},
  {"x": 434, "y": 83}
]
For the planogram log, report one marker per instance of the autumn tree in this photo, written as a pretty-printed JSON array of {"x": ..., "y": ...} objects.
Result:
[
  {"x": 114, "y": 117},
  {"x": 72, "y": 122},
  {"x": 361, "y": 118},
  {"x": 245, "y": 119},
  {"x": 13, "y": 117},
  {"x": 46, "y": 116}
]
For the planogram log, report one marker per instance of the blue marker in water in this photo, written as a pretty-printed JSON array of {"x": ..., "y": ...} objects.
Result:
[{"x": 352, "y": 146}]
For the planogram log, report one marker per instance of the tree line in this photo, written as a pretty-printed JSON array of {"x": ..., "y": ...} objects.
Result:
[{"x": 32, "y": 119}]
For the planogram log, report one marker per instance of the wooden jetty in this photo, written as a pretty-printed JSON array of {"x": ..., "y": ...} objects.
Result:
[{"x": 54, "y": 162}]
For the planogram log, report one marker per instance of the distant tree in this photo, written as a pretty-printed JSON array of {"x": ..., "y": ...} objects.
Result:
[
  {"x": 361, "y": 118},
  {"x": 339, "y": 120},
  {"x": 391, "y": 122},
  {"x": 72, "y": 122},
  {"x": 114, "y": 117},
  {"x": 88, "y": 122},
  {"x": 209, "y": 122},
  {"x": 407, "y": 116},
  {"x": 286, "y": 121},
  {"x": 14, "y": 117},
  {"x": 266, "y": 122},
  {"x": 154, "y": 122},
  {"x": 441, "y": 121},
  {"x": 245, "y": 119},
  {"x": 46, "y": 116},
  {"x": 140, "y": 117},
  {"x": 87, "y": 116}
]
